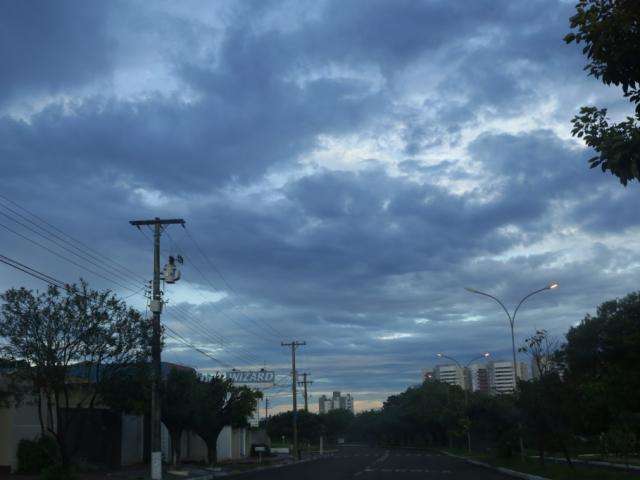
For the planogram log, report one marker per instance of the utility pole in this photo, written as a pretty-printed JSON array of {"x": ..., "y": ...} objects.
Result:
[
  {"x": 294, "y": 380},
  {"x": 156, "y": 309},
  {"x": 304, "y": 383},
  {"x": 266, "y": 408}
]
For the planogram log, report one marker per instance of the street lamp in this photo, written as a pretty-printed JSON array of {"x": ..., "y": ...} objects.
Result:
[
  {"x": 466, "y": 393},
  {"x": 512, "y": 318}
]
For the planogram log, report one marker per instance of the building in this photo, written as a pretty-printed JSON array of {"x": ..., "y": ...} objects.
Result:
[
  {"x": 325, "y": 404},
  {"x": 102, "y": 436},
  {"x": 501, "y": 378},
  {"x": 451, "y": 374},
  {"x": 337, "y": 401},
  {"x": 478, "y": 378}
]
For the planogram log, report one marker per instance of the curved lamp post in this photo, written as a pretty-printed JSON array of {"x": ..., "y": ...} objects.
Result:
[
  {"x": 466, "y": 393},
  {"x": 512, "y": 318}
]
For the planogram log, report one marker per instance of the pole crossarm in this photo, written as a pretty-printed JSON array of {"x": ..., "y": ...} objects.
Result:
[{"x": 168, "y": 221}]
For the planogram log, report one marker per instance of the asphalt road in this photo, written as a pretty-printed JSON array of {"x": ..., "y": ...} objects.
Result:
[{"x": 359, "y": 463}]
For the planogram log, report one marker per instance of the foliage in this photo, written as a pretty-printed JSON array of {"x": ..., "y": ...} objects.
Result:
[
  {"x": 281, "y": 425},
  {"x": 219, "y": 403},
  {"x": 130, "y": 391},
  {"x": 36, "y": 455},
  {"x": 611, "y": 36},
  {"x": 601, "y": 356},
  {"x": 58, "y": 472},
  {"x": 64, "y": 345},
  {"x": 336, "y": 423},
  {"x": 179, "y": 405}
]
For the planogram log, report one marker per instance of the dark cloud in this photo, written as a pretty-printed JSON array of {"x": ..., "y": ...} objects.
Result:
[
  {"x": 47, "y": 48},
  {"x": 366, "y": 262}
]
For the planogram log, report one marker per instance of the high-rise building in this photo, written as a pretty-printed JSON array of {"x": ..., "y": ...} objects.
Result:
[
  {"x": 337, "y": 401},
  {"x": 451, "y": 374},
  {"x": 325, "y": 404},
  {"x": 478, "y": 378},
  {"x": 501, "y": 376}
]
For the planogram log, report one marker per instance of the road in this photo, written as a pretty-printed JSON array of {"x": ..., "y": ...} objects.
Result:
[{"x": 359, "y": 463}]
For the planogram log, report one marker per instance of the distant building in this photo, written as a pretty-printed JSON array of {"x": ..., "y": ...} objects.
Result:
[
  {"x": 325, "y": 404},
  {"x": 478, "y": 378},
  {"x": 501, "y": 378},
  {"x": 545, "y": 364},
  {"x": 336, "y": 402},
  {"x": 451, "y": 374}
]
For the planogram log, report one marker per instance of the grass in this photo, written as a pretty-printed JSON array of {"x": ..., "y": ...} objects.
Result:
[{"x": 555, "y": 471}]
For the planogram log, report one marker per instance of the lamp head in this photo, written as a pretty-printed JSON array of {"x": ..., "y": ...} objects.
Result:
[
  {"x": 472, "y": 290},
  {"x": 553, "y": 285},
  {"x": 486, "y": 354},
  {"x": 439, "y": 355}
]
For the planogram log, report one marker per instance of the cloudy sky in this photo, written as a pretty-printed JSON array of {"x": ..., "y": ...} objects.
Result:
[{"x": 345, "y": 168}]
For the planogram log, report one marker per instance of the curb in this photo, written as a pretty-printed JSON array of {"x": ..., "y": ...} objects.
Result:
[
  {"x": 506, "y": 471},
  {"x": 595, "y": 463},
  {"x": 213, "y": 475}
]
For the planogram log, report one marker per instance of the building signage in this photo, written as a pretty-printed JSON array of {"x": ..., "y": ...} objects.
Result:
[{"x": 259, "y": 376}]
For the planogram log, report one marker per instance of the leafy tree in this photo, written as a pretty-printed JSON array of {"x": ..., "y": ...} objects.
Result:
[
  {"x": 367, "y": 427},
  {"x": 129, "y": 391},
  {"x": 64, "y": 345},
  {"x": 601, "y": 358},
  {"x": 219, "y": 403},
  {"x": 610, "y": 31},
  {"x": 336, "y": 423},
  {"x": 281, "y": 425},
  {"x": 178, "y": 408}
]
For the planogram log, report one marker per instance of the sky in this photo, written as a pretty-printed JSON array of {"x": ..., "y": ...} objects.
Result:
[{"x": 344, "y": 169}]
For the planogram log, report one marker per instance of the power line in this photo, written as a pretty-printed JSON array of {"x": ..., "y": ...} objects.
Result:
[
  {"x": 71, "y": 240},
  {"x": 63, "y": 257},
  {"x": 31, "y": 271},
  {"x": 206, "y": 279},
  {"x": 278, "y": 334},
  {"x": 107, "y": 269},
  {"x": 63, "y": 247},
  {"x": 58, "y": 283}
]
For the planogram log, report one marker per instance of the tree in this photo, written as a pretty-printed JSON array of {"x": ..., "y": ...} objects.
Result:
[
  {"x": 335, "y": 422},
  {"x": 219, "y": 403},
  {"x": 610, "y": 31},
  {"x": 601, "y": 358},
  {"x": 65, "y": 344},
  {"x": 179, "y": 405},
  {"x": 546, "y": 402}
]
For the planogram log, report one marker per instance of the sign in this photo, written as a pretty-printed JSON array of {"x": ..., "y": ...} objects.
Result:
[{"x": 260, "y": 376}]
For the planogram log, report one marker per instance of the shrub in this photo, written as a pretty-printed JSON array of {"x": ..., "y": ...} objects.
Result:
[
  {"x": 36, "y": 455},
  {"x": 57, "y": 472}
]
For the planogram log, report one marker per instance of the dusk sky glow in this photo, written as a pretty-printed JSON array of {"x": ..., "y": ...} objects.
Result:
[{"x": 347, "y": 167}]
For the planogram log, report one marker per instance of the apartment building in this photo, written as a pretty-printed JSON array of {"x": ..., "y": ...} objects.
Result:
[
  {"x": 335, "y": 402},
  {"x": 451, "y": 374}
]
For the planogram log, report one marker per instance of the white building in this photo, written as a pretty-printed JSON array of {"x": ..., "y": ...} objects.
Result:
[
  {"x": 337, "y": 401},
  {"x": 451, "y": 374},
  {"x": 501, "y": 378}
]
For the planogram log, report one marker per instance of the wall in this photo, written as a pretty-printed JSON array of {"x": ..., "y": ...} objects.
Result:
[{"x": 132, "y": 439}]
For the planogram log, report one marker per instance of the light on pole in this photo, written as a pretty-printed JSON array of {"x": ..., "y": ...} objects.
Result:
[
  {"x": 512, "y": 319},
  {"x": 466, "y": 394}
]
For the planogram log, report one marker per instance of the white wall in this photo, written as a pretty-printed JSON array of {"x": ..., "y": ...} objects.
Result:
[{"x": 132, "y": 439}]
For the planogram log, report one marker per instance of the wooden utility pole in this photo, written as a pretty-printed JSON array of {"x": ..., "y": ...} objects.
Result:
[
  {"x": 294, "y": 381},
  {"x": 266, "y": 407},
  {"x": 304, "y": 383},
  {"x": 156, "y": 309}
]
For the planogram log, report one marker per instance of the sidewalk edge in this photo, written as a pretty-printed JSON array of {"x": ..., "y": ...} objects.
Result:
[{"x": 506, "y": 471}]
